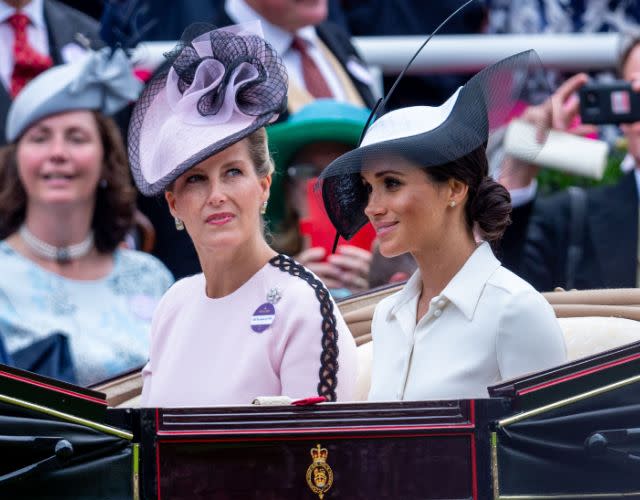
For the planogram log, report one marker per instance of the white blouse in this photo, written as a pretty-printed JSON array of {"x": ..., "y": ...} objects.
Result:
[{"x": 486, "y": 326}]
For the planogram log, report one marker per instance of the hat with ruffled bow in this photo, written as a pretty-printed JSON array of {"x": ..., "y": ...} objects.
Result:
[
  {"x": 101, "y": 80},
  {"x": 221, "y": 86}
]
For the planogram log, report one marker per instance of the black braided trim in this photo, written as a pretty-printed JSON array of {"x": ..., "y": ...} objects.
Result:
[{"x": 329, "y": 357}]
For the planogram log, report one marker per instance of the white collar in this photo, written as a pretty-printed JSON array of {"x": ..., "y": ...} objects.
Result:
[
  {"x": 34, "y": 11},
  {"x": 308, "y": 34},
  {"x": 240, "y": 12},
  {"x": 628, "y": 163},
  {"x": 464, "y": 289}
]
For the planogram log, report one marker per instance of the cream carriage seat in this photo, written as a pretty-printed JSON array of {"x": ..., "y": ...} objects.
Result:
[{"x": 589, "y": 335}]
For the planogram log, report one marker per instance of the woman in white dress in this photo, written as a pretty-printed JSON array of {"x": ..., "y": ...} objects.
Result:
[{"x": 462, "y": 322}]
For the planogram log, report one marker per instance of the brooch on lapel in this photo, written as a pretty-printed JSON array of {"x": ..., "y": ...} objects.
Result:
[{"x": 264, "y": 315}]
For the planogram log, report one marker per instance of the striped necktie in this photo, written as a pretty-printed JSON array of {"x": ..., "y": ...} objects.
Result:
[{"x": 313, "y": 80}]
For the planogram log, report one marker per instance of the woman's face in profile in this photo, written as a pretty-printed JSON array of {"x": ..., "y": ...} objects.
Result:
[
  {"x": 219, "y": 199},
  {"x": 60, "y": 159},
  {"x": 407, "y": 210}
]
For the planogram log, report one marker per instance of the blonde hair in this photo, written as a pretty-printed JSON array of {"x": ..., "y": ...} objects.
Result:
[{"x": 259, "y": 152}]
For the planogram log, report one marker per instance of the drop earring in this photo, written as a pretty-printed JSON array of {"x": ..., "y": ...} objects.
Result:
[
  {"x": 179, "y": 224},
  {"x": 263, "y": 208}
]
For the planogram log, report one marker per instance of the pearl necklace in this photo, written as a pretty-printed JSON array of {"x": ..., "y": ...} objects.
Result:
[{"x": 62, "y": 255}]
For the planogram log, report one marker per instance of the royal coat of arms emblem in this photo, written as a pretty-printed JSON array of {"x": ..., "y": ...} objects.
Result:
[{"x": 319, "y": 474}]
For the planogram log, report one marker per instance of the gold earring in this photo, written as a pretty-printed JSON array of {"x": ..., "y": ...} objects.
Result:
[
  {"x": 452, "y": 203},
  {"x": 179, "y": 224},
  {"x": 263, "y": 208}
]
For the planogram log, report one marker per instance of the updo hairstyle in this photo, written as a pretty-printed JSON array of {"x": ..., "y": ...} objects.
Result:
[{"x": 488, "y": 205}]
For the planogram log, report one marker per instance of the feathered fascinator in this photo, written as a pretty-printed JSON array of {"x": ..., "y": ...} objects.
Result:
[
  {"x": 429, "y": 136},
  {"x": 100, "y": 80},
  {"x": 221, "y": 86}
]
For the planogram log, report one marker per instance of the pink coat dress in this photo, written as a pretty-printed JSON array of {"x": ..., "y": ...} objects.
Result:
[{"x": 204, "y": 351}]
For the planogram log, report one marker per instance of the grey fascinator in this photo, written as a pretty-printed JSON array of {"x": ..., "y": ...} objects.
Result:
[{"x": 100, "y": 80}]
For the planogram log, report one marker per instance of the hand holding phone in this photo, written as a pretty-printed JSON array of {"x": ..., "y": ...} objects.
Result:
[{"x": 554, "y": 125}]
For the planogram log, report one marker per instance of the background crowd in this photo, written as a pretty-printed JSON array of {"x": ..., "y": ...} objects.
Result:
[{"x": 98, "y": 307}]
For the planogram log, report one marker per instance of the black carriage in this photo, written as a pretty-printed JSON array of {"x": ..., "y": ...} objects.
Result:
[{"x": 570, "y": 432}]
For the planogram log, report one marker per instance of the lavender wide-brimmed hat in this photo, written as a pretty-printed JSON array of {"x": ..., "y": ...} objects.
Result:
[{"x": 221, "y": 86}]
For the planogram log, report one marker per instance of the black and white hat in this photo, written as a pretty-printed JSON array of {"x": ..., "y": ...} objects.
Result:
[{"x": 430, "y": 136}]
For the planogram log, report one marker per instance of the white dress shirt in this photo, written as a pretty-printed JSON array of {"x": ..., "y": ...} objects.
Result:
[
  {"x": 37, "y": 35},
  {"x": 486, "y": 326},
  {"x": 521, "y": 196},
  {"x": 281, "y": 40}
]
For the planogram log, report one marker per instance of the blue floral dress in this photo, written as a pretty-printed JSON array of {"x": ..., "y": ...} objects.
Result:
[{"x": 107, "y": 320}]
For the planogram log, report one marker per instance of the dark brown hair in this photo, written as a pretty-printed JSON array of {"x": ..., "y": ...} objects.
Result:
[
  {"x": 488, "y": 205},
  {"x": 115, "y": 202}
]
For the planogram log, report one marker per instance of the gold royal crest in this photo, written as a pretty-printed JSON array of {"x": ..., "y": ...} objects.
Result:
[{"x": 319, "y": 474}]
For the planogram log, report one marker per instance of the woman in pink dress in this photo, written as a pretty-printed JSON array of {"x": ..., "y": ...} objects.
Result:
[{"x": 254, "y": 323}]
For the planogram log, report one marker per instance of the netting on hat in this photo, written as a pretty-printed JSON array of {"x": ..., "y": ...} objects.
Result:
[
  {"x": 219, "y": 86},
  {"x": 483, "y": 105},
  {"x": 258, "y": 96}
]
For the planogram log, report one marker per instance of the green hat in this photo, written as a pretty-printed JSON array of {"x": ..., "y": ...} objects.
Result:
[{"x": 320, "y": 120}]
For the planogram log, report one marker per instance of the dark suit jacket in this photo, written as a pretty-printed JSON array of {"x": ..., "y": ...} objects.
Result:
[
  {"x": 338, "y": 41},
  {"x": 610, "y": 242},
  {"x": 510, "y": 249},
  {"x": 415, "y": 17},
  {"x": 63, "y": 24}
]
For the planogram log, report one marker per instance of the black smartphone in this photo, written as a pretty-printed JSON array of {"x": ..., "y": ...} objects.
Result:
[{"x": 609, "y": 103}]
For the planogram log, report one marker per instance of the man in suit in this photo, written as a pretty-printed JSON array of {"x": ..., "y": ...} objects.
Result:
[
  {"x": 609, "y": 243},
  {"x": 301, "y": 35},
  {"x": 606, "y": 248},
  {"x": 54, "y": 30}
]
